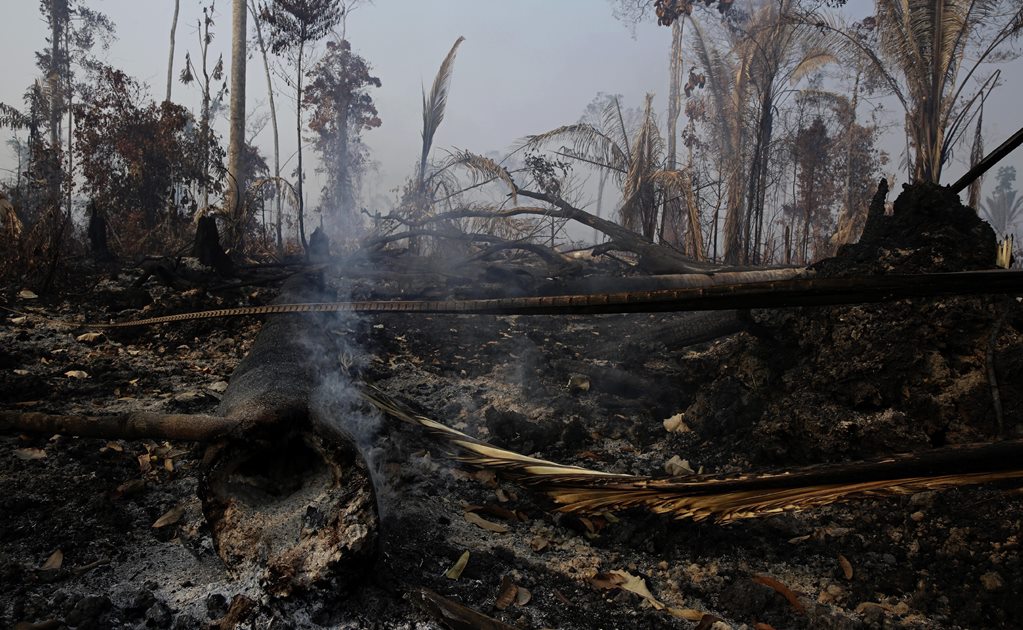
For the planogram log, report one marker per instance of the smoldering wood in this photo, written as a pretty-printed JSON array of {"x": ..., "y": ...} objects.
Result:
[
  {"x": 288, "y": 496},
  {"x": 293, "y": 500}
]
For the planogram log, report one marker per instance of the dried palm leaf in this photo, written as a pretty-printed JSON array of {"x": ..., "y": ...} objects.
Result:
[
  {"x": 435, "y": 103},
  {"x": 728, "y": 498}
]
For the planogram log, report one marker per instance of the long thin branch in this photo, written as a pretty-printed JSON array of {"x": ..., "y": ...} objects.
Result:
[{"x": 192, "y": 428}]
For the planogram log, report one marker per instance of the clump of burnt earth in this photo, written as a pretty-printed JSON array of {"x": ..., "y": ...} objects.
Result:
[
  {"x": 842, "y": 382},
  {"x": 929, "y": 230}
]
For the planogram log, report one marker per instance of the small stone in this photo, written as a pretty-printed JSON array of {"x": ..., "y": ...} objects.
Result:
[
  {"x": 992, "y": 581},
  {"x": 219, "y": 387}
]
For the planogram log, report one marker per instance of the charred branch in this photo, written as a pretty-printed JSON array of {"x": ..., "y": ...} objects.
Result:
[{"x": 132, "y": 426}]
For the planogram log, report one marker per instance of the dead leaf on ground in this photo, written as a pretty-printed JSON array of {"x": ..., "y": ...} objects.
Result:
[
  {"x": 707, "y": 622},
  {"x": 29, "y": 453},
  {"x": 483, "y": 523},
  {"x": 89, "y": 337},
  {"x": 128, "y": 489},
  {"x": 456, "y": 569},
  {"x": 18, "y": 321},
  {"x": 506, "y": 593},
  {"x": 486, "y": 477},
  {"x": 54, "y": 562},
  {"x": 847, "y": 568},
  {"x": 635, "y": 584},
  {"x": 76, "y": 374},
  {"x": 538, "y": 543},
  {"x": 689, "y": 614},
  {"x": 677, "y": 467},
  {"x": 782, "y": 590},
  {"x": 763, "y": 626},
  {"x": 20, "y": 372},
  {"x": 145, "y": 463},
  {"x": 170, "y": 517},
  {"x": 27, "y": 294},
  {"x": 523, "y": 596}
]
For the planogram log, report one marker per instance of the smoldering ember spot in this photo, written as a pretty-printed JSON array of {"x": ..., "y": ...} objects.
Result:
[{"x": 586, "y": 314}]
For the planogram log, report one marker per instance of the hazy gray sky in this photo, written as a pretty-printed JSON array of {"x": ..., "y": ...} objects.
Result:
[{"x": 526, "y": 66}]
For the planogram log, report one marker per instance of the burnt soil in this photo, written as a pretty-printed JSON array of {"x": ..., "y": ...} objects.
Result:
[{"x": 799, "y": 386}]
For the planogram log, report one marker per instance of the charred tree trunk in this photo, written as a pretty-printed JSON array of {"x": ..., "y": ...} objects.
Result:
[
  {"x": 207, "y": 246},
  {"x": 294, "y": 501}
]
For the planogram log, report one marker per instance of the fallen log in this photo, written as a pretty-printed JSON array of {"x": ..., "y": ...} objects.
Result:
[
  {"x": 289, "y": 498},
  {"x": 814, "y": 291},
  {"x": 292, "y": 501}
]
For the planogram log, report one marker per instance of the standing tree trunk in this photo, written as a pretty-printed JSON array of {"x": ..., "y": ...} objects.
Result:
[
  {"x": 58, "y": 17},
  {"x": 70, "y": 116},
  {"x": 236, "y": 140},
  {"x": 849, "y": 217},
  {"x": 298, "y": 128},
  {"x": 170, "y": 57},
  {"x": 278, "y": 217}
]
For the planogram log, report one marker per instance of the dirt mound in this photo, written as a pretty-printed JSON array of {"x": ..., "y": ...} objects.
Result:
[
  {"x": 838, "y": 382},
  {"x": 929, "y": 230}
]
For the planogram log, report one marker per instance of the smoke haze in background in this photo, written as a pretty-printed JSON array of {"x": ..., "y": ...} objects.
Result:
[{"x": 525, "y": 67}]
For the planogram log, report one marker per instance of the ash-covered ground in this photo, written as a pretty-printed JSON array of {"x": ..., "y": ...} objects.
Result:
[{"x": 795, "y": 387}]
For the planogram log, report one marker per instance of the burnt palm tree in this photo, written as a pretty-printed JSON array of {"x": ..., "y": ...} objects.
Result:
[
  {"x": 638, "y": 164},
  {"x": 929, "y": 55},
  {"x": 746, "y": 82}
]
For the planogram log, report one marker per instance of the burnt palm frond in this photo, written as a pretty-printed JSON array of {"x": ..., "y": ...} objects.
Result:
[
  {"x": 482, "y": 168},
  {"x": 586, "y": 141},
  {"x": 435, "y": 103},
  {"x": 725, "y": 498}
]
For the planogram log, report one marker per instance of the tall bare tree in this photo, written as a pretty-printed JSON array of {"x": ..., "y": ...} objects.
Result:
[
  {"x": 236, "y": 138},
  {"x": 170, "y": 56},
  {"x": 294, "y": 26},
  {"x": 278, "y": 214}
]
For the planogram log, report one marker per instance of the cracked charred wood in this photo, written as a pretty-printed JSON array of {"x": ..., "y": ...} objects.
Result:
[{"x": 293, "y": 501}]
